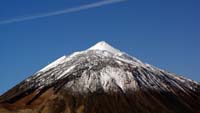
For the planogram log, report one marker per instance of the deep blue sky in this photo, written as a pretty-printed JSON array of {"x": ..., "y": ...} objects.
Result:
[{"x": 164, "y": 33}]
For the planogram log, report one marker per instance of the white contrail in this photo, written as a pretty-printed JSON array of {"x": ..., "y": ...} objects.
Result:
[{"x": 60, "y": 12}]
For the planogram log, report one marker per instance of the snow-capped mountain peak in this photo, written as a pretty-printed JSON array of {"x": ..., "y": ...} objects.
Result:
[
  {"x": 101, "y": 46},
  {"x": 101, "y": 73},
  {"x": 105, "y": 47}
]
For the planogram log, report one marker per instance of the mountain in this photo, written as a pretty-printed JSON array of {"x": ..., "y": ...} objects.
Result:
[{"x": 102, "y": 79}]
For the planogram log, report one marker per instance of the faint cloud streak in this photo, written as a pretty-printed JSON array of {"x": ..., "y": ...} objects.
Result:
[{"x": 61, "y": 12}]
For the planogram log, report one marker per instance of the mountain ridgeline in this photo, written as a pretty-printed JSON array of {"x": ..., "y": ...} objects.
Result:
[{"x": 102, "y": 79}]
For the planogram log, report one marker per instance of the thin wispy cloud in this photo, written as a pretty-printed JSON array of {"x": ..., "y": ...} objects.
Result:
[{"x": 61, "y": 12}]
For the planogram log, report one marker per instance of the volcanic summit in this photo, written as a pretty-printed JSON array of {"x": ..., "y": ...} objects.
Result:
[{"x": 102, "y": 79}]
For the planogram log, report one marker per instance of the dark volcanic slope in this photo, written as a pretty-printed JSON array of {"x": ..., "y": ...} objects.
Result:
[{"x": 102, "y": 80}]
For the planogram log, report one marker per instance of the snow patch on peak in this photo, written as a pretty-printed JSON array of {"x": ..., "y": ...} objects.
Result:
[
  {"x": 105, "y": 47},
  {"x": 54, "y": 64},
  {"x": 60, "y": 61}
]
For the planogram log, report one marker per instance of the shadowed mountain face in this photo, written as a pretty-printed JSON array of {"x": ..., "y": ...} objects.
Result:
[{"x": 102, "y": 79}]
